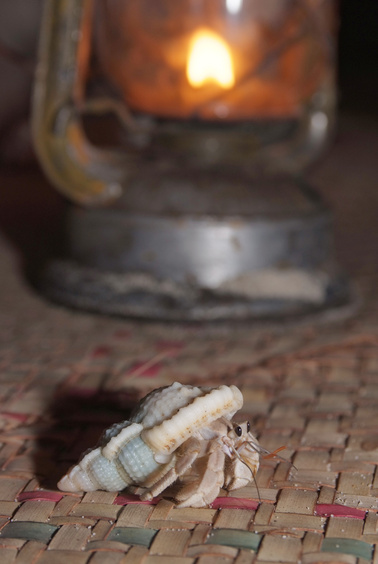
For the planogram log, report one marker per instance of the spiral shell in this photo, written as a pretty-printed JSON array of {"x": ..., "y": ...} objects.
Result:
[{"x": 142, "y": 450}]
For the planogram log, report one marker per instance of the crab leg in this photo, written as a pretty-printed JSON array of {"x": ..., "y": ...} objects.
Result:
[
  {"x": 203, "y": 491},
  {"x": 183, "y": 463}
]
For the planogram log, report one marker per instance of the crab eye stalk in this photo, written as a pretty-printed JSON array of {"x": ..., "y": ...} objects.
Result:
[
  {"x": 248, "y": 426},
  {"x": 238, "y": 431}
]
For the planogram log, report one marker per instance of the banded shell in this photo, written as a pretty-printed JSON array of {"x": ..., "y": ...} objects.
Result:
[{"x": 141, "y": 451}]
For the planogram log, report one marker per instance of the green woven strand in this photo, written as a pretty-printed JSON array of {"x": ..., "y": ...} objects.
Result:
[
  {"x": 132, "y": 535},
  {"x": 357, "y": 548},
  {"x": 235, "y": 538},
  {"x": 41, "y": 532}
]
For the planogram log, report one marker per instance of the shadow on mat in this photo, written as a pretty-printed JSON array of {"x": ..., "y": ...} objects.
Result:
[{"x": 78, "y": 419}]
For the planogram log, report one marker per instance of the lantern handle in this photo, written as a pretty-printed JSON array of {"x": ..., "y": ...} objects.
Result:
[{"x": 85, "y": 174}]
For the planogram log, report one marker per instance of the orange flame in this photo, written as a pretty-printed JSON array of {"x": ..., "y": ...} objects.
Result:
[{"x": 209, "y": 60}]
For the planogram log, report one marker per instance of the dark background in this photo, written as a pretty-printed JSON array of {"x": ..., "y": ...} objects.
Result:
[{"x": 358, "y": 56}]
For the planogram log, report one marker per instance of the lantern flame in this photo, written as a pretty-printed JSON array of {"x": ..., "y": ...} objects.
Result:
[{"x": 209, "y": 61}]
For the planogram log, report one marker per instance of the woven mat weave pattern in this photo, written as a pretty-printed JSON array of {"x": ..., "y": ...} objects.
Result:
[{"x": 314, "y": 391}]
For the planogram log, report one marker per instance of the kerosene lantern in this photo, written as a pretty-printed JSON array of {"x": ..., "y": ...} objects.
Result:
[{"x": 194, "y": 206}]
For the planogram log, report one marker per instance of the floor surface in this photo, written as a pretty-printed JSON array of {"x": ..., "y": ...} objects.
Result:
[{"x": 310, "y": 387}]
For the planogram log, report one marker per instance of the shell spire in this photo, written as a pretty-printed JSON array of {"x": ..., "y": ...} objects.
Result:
[{"x": 224, "y": 401}]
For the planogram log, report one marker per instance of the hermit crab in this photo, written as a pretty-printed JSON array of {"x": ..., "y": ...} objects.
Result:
[{"x": 179, "y": 434}]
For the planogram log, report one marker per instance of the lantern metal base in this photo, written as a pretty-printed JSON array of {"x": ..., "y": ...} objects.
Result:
[
  {"x": 270, "y": 256},
  {"x": 140, "y": 296}
]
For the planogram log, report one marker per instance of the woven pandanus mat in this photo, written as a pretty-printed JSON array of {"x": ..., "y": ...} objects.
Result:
[{"x": 313, "y": 391}]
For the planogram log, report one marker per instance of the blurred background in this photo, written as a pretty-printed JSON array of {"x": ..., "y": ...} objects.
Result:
[
  {"x": 27, "y": 200},
  {"x": 19, "y": 27}
]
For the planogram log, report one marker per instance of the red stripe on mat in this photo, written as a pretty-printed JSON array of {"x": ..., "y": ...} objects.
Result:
[
  {"x": 327, "y": 509},
  {"x": 40, "y": 496}
]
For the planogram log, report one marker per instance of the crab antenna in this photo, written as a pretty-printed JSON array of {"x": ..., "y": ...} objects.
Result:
[
  {"x": 274, "y": 454},
  {"x": 250, "y": 469},
  {"x": 227, "y": 422},
  {"x": 260, "y": 450},
  {"x": 257, "y": 448}
]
